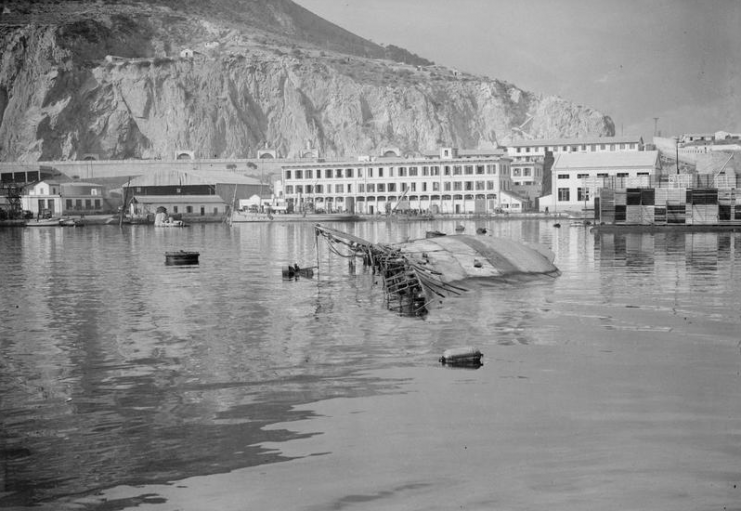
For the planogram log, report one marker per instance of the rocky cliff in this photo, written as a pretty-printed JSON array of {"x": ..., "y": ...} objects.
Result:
[{"x": 145, "y": 80}]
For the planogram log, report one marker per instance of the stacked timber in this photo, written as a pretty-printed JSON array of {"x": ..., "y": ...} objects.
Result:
[{"x": 671, "y": 206}]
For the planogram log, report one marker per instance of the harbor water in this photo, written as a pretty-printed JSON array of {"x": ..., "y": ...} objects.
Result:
[{"x": 127, "y": 383}]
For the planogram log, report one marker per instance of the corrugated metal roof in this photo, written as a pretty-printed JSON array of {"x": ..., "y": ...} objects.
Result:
[
  {"x": 616, "y": 159},
  {"x": 577, "y": 141},
  {"x": 178, "y": 199},
  {"x": 192, "y": 177}
]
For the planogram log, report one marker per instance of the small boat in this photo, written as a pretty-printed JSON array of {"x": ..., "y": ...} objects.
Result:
[
  {"x": 181, "y": 257},
  {"x": 161, "y": 219},
  {"x": 241, "y": 216},
  {"x": 411, "y": 217},
  {"x": 172, "y": 223},
  {"x": 293, "y": 272},
  {"x": 71, "y": 222},
  {"x": 44, "y": 222}
]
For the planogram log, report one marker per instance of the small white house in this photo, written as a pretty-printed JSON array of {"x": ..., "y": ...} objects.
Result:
[{"x": 45, "y": 197}]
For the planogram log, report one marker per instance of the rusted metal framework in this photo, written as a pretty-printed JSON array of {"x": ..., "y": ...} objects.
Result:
[{"x": 410, "y": 284}]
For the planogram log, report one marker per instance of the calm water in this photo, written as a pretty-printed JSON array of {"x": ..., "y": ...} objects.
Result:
[{"x": 117, "y": 371}]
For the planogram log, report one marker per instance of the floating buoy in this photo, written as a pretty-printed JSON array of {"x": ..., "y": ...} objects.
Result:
[
  {"x": 292, "y": 272},
  {"x": 181, "y": 258},
  {"x": 467, "y": 356}
]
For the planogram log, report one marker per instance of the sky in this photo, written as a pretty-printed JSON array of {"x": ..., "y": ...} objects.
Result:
[{"x": 634, "y": 60}]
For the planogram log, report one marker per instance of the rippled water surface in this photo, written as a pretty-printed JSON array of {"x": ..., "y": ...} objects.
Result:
[{"x": 615, "y": 383}]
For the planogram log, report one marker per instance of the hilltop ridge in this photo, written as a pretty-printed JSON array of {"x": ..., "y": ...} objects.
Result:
[{"x": 145, "y": 79}]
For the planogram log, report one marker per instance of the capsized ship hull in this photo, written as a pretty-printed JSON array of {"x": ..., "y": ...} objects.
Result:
[{"x": 460, "y": 257}]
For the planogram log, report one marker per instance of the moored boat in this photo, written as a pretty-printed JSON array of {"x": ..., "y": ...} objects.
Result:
[
  {"x": 411, "y": 217},
  {"x": 55, "y": 222},
  {"x": 43, "y": 222},
  {"x": 241, "y": 216},
  {"x": 161, "y": 219},
  {"x": 71, "y": 222}
]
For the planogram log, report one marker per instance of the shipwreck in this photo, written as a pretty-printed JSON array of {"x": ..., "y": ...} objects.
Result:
[{"x": 418, "y": 273}]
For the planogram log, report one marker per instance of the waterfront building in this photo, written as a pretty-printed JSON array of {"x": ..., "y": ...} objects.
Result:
[
  {"x": 43, "y": 198},
  {"x": 55, "y": 197},
  {"x": 531, "y": 150},
  {"x": 534, "y": 158},
  {"x": 527, "y": 178},
  {"x": 578, "y": 176},
  {"x": 196, "y": 195},
  {"x": 446, "y": 182},
  {"x": 15, "y": 180}
]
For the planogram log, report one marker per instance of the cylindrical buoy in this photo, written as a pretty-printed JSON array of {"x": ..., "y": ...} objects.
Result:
[
  {"x": 181, "y": 258},
  {"x": 467, "y": 356}
]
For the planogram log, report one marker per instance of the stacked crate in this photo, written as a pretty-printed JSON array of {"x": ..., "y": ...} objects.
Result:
[
  {"x": 607, "y": 206},
  {"x": 726, "y": 203},
  {"x": 648, "y": 201},
  {"x": 633, "y": 209},
  {"x": 620, "y": 205},
  {"x": 676, "y": 207},
  {"x": 702, "y": 206},
  {"x": 660, "y": 208}
]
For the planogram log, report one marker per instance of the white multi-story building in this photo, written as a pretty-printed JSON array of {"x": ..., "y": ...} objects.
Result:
[
  {"x": 72, "y": 197},
  {"x": 527, "y": 178},
  {"x": 578, "y": 176},
  {"x": 470, "y": 182},
  {"x": 531, "y": 150}
]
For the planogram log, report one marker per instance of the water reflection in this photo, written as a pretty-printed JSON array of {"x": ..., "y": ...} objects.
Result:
[{"x": 115, "y": 368}]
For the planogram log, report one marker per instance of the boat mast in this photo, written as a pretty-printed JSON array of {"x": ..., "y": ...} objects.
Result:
[{"x": 125, "y": 203}]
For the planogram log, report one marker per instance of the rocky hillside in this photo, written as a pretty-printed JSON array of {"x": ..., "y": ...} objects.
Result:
[{"x": 227, "y": 77}]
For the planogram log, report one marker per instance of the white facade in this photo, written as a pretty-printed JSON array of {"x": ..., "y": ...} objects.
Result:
[
  {"x": 527, "y": 178},
  {"x": 445, "y": 184},
  {"x": 44, "y": 195},
  {"x": 64, "y": 198},
  {"x": 532, "y": 150},
  {"x": 578, "y": 176}
]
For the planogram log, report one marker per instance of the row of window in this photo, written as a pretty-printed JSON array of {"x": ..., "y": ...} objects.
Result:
[
  {"x": 564, "y": 194},
  {"x": 381, "y": 172},
  {"x": 393, "y": 188},
  {"x": 575, "y": 148},
  {"x": 412, "y": 198},
  {"x": 78, "y": 204},
  {"x": 601, "y": 175},
  {"x": 189, "y": 210},
  {"x": 526, "y": 172}
]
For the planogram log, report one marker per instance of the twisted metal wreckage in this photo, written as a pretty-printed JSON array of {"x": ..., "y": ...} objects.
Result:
[{"x": 417, "y": 273}]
